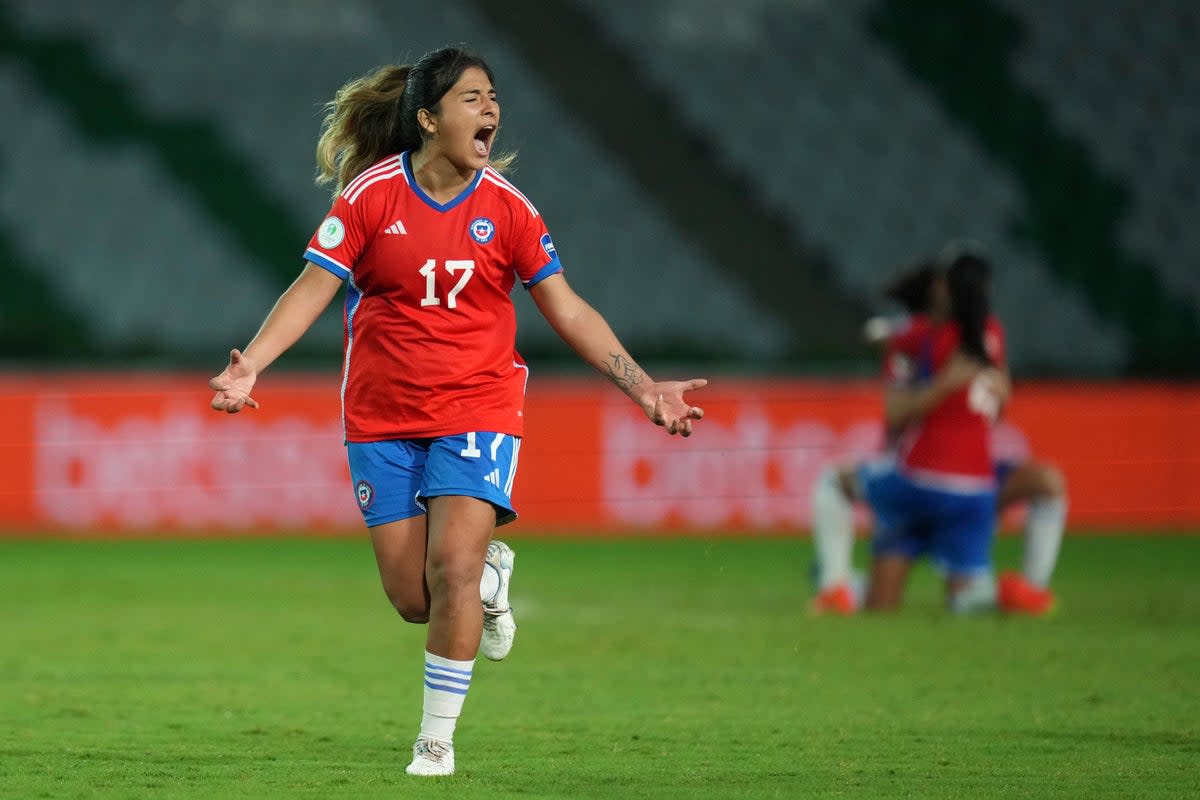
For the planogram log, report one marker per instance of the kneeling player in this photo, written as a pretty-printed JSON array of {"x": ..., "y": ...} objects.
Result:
[
  {"x": 923, "y": 293},
  {"x": 1037, "y": 484}
]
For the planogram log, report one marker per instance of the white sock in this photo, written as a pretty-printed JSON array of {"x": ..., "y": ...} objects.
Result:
[
  {"x": 833, "y": 529},
  {"x": 975, "y": 596},
  {"x": 1043, "y": 537},
  {"x": 489, "y": 584},
  {"x": 446, "y": 684}
]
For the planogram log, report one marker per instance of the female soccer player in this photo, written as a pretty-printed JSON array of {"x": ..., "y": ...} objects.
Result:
[
  {"x": 938, "y": 497},
  {"x": 428, "y": 238},
  {"x": 922, "y": 293}
]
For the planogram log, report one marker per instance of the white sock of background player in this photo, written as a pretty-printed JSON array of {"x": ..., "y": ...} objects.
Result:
[
  {"x": 1044, "y": 525},
  {"x": 833, "y": 530}
]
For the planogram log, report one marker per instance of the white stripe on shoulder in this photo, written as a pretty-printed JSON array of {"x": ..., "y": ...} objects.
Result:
[
  {"x": 491, "y": 175},
  {"x": 503, "y": 181},
  {"x": 386, "y": 164},
  {"x": 382, "y": 176}
]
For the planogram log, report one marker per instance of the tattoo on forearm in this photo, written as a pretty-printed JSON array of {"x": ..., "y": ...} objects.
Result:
[{"x": 623, "y": 371}]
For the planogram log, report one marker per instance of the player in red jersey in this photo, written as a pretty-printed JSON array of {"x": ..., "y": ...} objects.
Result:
[
  {"x": 940, "y": 498},
  {"x": 922, "y": 293},
  {"x": 936, "y": 497},
  {"x": 428, "y": 238}
]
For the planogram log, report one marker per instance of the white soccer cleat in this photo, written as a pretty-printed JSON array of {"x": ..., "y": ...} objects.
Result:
[
  {"x": 499, "y": 631},
  {"x": 499, "y": 627},
  {"x": 431, "y": 757}
]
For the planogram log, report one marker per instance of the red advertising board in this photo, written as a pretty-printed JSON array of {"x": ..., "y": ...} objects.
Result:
[{"x": 143, "y": 454}]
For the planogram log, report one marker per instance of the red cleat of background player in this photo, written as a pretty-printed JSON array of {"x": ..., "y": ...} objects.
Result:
[{"x": 1016, "y": 595}]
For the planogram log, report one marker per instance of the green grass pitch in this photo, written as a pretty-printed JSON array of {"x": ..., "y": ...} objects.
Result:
[{"x": 679, "y": 668}]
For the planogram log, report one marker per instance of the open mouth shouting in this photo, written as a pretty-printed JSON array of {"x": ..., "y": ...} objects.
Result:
[{"x": 483, "y": 140}]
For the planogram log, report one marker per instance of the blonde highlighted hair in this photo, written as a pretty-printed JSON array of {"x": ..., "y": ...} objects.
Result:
[{"x": 375, "y": 115}]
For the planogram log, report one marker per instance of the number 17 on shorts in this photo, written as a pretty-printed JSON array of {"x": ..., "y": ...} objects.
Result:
[{"x": 392, "y": 479}]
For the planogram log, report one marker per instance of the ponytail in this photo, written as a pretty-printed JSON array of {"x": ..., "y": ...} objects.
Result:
[
  {"x": 364, "y": 123},
  {"x": 968, "y": 279}
]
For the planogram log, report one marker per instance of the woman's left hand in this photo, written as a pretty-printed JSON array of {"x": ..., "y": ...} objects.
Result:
[{"x": 667, "y": 408}]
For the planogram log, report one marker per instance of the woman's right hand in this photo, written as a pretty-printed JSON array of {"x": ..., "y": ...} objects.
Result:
[{"x": 234, "y": 384}]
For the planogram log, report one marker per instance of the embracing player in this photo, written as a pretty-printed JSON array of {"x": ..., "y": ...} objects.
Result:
[
  {"x": 923, "y": 293},
  {"x": 937, "y": 497}
]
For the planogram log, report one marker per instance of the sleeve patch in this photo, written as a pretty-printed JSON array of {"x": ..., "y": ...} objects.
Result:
[
  {"x": 548, "y": 246},
  {"x": 331, "y": 233}
]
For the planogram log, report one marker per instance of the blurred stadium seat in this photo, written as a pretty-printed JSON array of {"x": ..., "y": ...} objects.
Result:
[
  {"x": 235, "y": 66},
  {"x": 831, "y": 129},
  {"x": 856, "y": 153},
  {"x": 126, "y": 247},
  {"x": 1118, "y": 80}
]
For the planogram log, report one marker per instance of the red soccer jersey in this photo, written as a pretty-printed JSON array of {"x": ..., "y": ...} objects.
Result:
[
  {"x": 951, "y": 446},
  {"x": 430, "y": 328}
]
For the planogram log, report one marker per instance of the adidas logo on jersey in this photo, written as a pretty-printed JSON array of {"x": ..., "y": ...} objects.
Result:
[
  {"x": 395, "y": 227},
  {"x": 493, "y": 478}
]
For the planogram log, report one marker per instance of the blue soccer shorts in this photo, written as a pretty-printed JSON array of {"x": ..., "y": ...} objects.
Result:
[
  {"x": 953, "y": 528},
  {"x": 392, "y": 479}
]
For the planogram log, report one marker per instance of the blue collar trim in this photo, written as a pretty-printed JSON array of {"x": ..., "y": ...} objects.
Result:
[{"x": 406, "y": 162}]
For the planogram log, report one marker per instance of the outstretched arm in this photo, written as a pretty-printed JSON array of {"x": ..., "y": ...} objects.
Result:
[
  {"x": 589, "y": 335},
  {"x": 294, "y": 313}
]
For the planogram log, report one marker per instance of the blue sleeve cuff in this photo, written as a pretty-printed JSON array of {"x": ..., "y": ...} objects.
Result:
[
  {"x": 326, "y": 263},
  {"x": 553, "y": 268}
]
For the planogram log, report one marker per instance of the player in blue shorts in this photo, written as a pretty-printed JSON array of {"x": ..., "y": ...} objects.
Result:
[
  {"x": 922, "y": 293},
  {"x": 425, "y": 240},
  {"x": 938, "y": 500}
]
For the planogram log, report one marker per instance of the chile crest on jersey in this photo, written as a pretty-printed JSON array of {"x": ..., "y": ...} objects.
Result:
[{"x": 482, "y": 230}]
